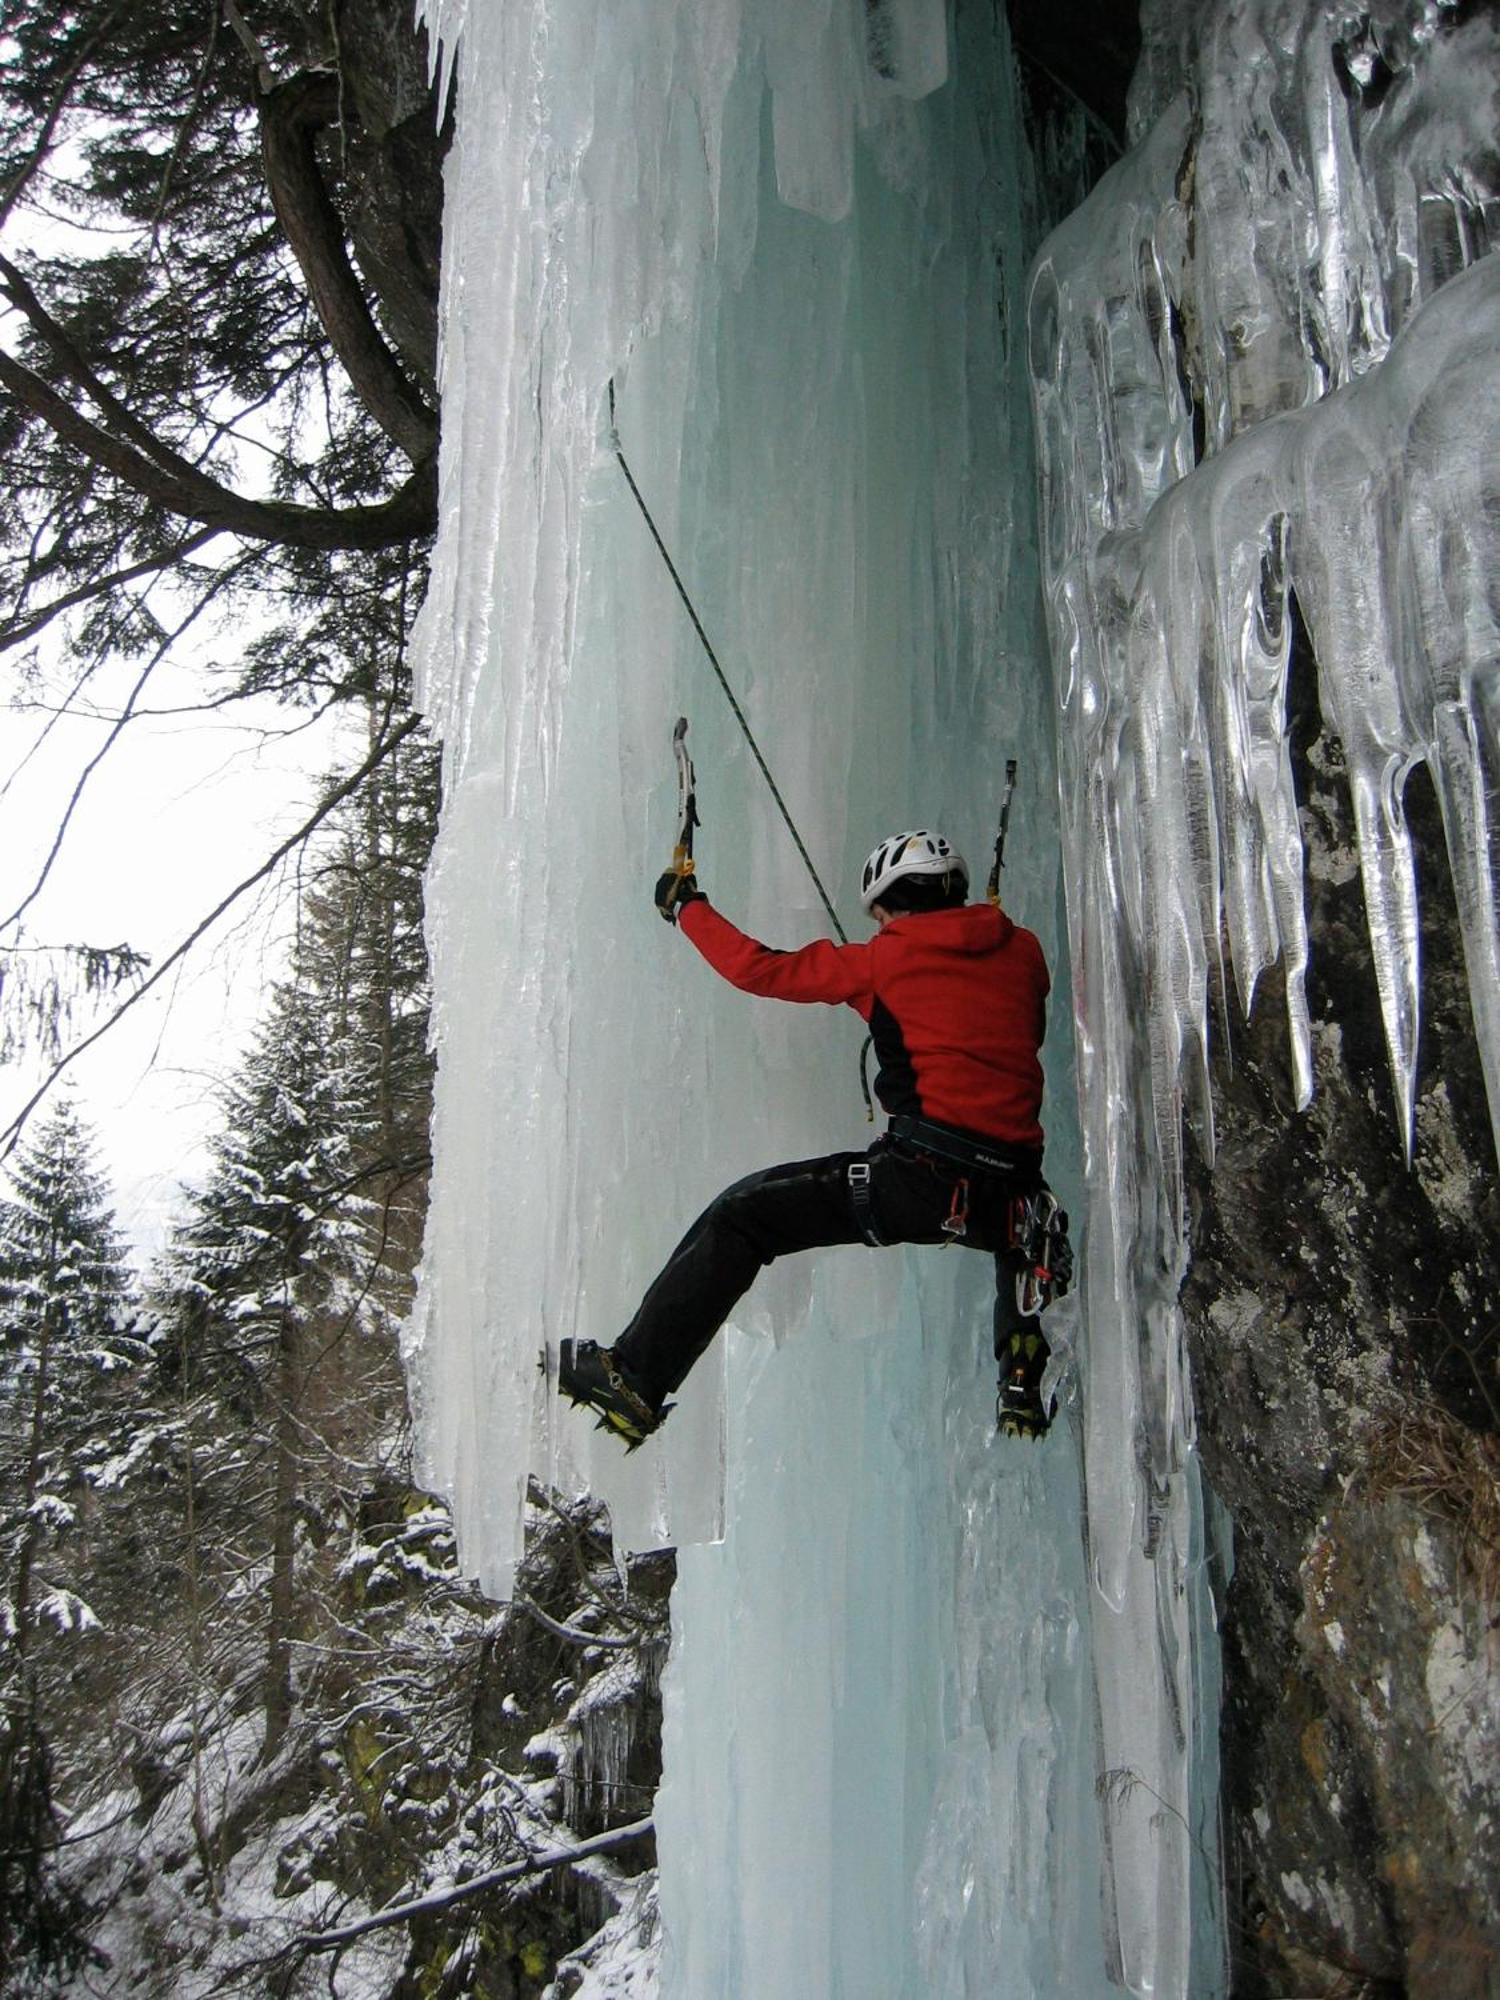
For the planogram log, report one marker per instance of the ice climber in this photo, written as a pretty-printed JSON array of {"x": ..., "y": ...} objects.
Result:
[{"x": 954, "y": 995}]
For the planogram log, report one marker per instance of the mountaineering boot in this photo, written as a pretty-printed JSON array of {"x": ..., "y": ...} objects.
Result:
[
  {"x": 588, "y": 1374},
  {"x": 1019, "y": 1409}
]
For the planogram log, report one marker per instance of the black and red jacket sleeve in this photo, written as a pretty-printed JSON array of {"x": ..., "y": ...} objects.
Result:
[
  {"x": 955, "y": 1001},
  {"x": 837, "y": 974}
]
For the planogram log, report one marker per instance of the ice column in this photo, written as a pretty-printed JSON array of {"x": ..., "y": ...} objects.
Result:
[{"x": 1266, "y": 361}]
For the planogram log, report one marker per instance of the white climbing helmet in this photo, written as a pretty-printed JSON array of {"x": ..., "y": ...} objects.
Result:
[{"x": 919, "y": 853}]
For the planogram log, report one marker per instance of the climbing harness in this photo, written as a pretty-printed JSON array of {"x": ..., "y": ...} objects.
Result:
[
  {"x": 1036, "y": 1224},
  {"x": 946, "y": 1142}
]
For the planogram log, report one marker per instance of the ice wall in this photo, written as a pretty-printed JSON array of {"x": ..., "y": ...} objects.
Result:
[
  {"x": 792, "y": 235},
  {"x": 1266, "y": 363}
]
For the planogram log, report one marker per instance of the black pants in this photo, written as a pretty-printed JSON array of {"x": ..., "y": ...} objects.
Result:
[{"x": 800, "y": 1206}]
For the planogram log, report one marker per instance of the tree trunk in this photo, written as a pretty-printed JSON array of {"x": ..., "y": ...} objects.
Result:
[
  {"x": 290, "y": 116},
  {"x": 31, "y": 1530},
  {"x": 278, "y": 1676},
  {"x": 179, "y": 487}
]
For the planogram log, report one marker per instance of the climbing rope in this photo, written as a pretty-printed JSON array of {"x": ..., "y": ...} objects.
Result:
[{"x": 713, "y": 660}]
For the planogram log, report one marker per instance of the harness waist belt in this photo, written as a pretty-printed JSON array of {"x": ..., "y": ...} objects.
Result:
[{"x": 990, "y": 1156}]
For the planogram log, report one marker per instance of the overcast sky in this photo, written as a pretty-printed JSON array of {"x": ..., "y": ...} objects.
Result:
[{"x": 182, "y": 809}]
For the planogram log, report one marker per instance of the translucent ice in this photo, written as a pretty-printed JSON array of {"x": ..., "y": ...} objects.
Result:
[{"x": 790, "y": 235}]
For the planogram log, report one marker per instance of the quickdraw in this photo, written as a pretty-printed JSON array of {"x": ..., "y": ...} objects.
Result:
[
  {"x": 956, "y": 1227},
  {"x": 1039, "y": 1237}
]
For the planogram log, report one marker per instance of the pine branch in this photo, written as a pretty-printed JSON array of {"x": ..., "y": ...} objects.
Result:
[
  {"x": 28, "y": 628},
  {"x": 171, "y": 482},
  {"x": 21, "y": 179},
  {"x": 185, "y": 127},
  {"x": 61, "y": 346}
]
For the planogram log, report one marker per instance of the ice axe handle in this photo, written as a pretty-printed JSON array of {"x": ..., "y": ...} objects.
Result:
[{"x": 993, "y": 891}]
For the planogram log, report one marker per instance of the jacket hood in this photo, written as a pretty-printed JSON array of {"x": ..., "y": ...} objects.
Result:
[{"x": 970, "y": 930}]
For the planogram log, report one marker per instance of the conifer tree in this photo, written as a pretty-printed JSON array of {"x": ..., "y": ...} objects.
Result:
[
  {"x": 261, "y": 1270},
  {"x": 219, "y": 244},
  {"x": 363, "y": 947},
  {"x": 66, "y": 1321},
  {"x": 66, "y": 1317}
]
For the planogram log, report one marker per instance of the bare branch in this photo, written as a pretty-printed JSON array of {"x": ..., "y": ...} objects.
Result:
[
  {"x": 265, "y": 76},
  {"x": 340, "y": 792},
  {"x": 571, "y": 1633},
  {"x": 457, "y": 1892},
  {"x": 220, "y": 583}
]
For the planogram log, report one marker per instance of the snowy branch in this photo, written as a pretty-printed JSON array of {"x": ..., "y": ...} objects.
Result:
[
  {"x": 571, "y": 1633},
  {"x": 456, "y": 1892}
]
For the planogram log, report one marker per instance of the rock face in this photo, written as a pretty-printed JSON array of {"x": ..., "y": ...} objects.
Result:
[
  {"x": 1342, "y": 1322},
  {"x": 1299, "y": 184}
]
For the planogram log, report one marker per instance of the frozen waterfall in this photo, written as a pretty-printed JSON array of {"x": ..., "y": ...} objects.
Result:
[
  {"x": 940, "y": 1708},
  {"x": 793, "y": 237}
]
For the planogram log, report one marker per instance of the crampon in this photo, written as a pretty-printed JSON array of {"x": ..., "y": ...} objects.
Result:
[
  {"x": 1019, "y": 1408},
  {"x": 588, "y": 1375}
]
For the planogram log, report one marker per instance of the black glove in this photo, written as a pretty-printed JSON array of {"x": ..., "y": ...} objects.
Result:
[{"x": 673, "y": 890}]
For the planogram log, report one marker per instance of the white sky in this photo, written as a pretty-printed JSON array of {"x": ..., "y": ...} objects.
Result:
[{"x": 181, "y": 810}]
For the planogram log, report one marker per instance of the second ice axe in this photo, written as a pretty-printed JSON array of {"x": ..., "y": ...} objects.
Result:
[{"x": 687, "y": 820}]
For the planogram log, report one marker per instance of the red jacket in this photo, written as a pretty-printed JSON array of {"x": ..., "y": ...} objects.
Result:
[{"x": 955, "y": 1001}]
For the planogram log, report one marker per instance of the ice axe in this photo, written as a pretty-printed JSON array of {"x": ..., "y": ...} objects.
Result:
[
  {"x": 993, "y": 891},
  {"x": 687, "y": 819}
]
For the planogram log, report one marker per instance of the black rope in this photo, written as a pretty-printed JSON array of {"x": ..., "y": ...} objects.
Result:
[{"x": 713, "y": 660}]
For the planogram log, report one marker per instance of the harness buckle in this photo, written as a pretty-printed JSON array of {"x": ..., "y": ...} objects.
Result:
[{"x": 862, "y": 1201}]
